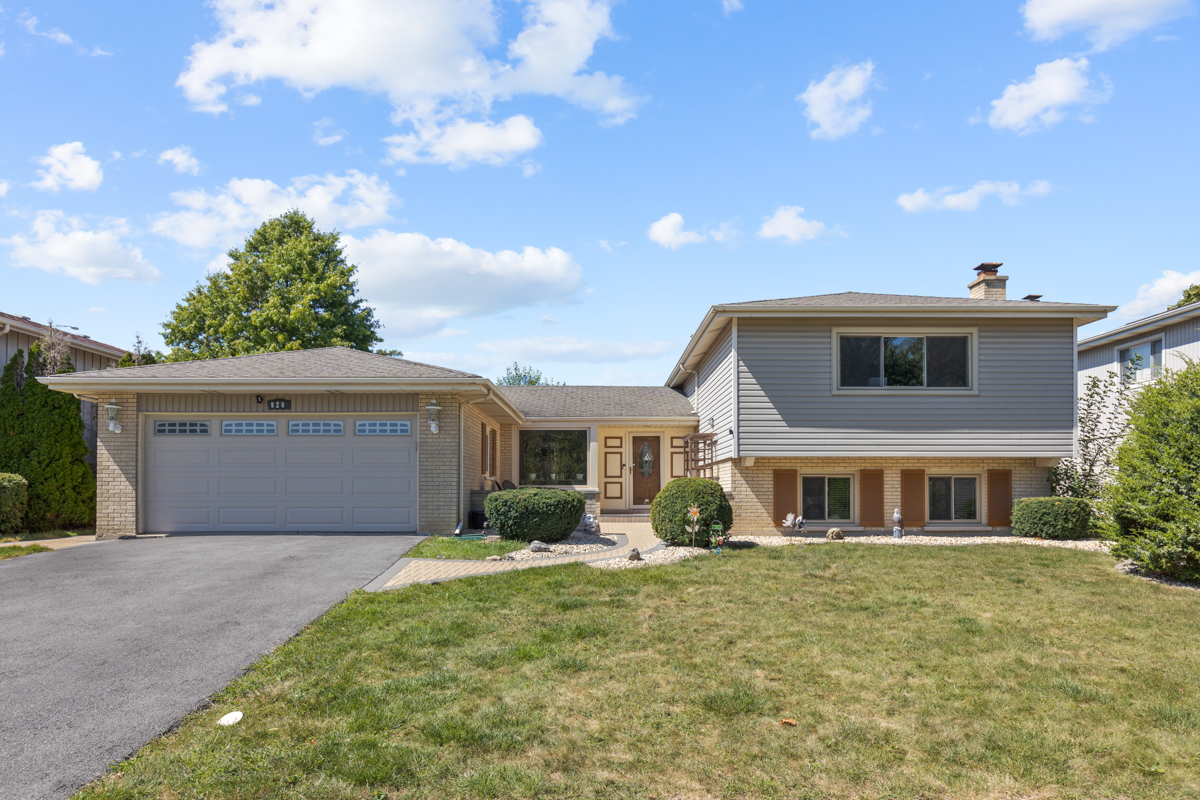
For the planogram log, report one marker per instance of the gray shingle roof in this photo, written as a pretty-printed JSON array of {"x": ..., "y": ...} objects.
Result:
[
  {"x": 591, "y": 402},
  {"x": 325, "y": 362},
  {"x": 865, "y": 299}
]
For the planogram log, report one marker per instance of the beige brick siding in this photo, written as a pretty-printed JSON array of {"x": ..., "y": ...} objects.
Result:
[
  {"x": 437, "y": 455},
  {"x": 473, "y": 471},
  {"x": 116, "y": 470},
  {"x": 508, "y": 434},
  {"x": 752, "y": 489}
]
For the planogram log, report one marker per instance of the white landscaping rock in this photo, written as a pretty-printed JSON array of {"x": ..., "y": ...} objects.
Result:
[
  {"x": 1091, "y": 545},
  {"x": 575, "y": 544},
  {"x": 668, "y": 555}
]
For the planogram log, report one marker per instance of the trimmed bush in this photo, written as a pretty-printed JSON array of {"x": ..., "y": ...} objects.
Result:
[
  {"x": 547, "y": 515},
  {"x": 1052, "y": 517},
  {"x": 669, "y": 510},
  {"x": 14, "y": 497}
]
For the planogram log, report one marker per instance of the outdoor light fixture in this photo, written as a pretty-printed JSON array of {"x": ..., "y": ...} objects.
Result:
[
  {"x": 112, "y": 408},
  {"x": 433, "y": 408}
]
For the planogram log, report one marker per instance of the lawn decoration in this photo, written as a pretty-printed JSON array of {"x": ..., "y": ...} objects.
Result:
[
  {"x": 717, "y": 537},
  {"x": 797, "y": 524},
  {"x": 897, "y": 525},
  {"x": 692, "y": 522}
]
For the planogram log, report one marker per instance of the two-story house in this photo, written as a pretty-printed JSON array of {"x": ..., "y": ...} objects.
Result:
[
  {"x": 845, "y": 407},
  {"x": 1144, "y": 347},
  {"x": 838, "y": 407}
]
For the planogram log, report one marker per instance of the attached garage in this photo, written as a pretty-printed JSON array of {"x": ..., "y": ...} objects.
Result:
[{"x": 280, "y": 473}]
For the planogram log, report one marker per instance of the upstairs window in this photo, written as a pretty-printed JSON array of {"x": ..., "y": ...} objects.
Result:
[
  {"x": 904, "y": 362},
  {"x": 1142, "y": 362}
]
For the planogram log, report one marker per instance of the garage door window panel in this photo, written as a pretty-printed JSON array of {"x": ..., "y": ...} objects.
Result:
[
  {"x": 245, "y": 427},
  {"x": 181, "y": 428},
  {"x": 315, "y": 427},
  {"x": 382, "y": 427}
]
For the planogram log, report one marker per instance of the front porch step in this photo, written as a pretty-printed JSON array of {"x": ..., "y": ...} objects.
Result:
[{"x": 639, "y": 517}]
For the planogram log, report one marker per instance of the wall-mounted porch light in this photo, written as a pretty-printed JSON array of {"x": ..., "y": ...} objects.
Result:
[
  {"x": 433, "y": 408},
  {"x": 112, "y": 408}
]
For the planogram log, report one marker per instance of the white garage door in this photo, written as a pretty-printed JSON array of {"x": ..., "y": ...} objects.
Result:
[{"x": 289, "y": 473}]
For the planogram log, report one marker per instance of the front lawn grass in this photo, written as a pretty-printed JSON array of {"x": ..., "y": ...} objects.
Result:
[
  {"x": 42, "y": 535},
  {"x": 450, "y": 547},
  {"x": 14, "y": 550},
  {"x": 912, "y": 673}
]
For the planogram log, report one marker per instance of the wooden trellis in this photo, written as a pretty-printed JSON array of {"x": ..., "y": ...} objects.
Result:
[{"x": 699, "y": 455}]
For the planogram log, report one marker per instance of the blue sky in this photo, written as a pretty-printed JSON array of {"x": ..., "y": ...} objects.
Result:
[{"x": 571, "y": 183}]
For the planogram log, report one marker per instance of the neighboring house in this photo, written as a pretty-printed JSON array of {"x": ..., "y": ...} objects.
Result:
[
  {"x": 1162, "y": 340},
  {"x": 845, "y": 407},
  {"x": 19, "y": 333},
  {"x": 841, "y": 407}
]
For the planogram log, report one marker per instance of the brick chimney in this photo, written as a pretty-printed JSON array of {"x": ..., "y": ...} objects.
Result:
[{"x": 988, "y": 283}]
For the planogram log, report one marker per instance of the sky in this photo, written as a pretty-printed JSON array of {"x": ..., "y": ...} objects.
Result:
[{"x": 572, "y": 183}]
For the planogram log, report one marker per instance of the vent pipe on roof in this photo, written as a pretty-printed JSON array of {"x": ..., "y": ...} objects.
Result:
[
  {"x": 1033, "y": 298},
  {"x": 988, "y": 283}
]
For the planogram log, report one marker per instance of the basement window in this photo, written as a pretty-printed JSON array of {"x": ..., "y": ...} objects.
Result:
[
  {"x": 181, "y": 428},
  {"x": 953, "y": 498},
  {"x": 825, "y": 498},
  {"x": 315, "y": 427},
  {"x": 247, "y": 427}
]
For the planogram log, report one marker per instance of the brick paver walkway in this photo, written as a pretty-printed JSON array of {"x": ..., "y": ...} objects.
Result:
[
  {"x": 435, "y": 570},
  {"x": 55, "y": 544}
]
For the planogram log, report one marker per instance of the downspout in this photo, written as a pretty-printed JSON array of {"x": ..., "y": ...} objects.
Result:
[
  {"x": 462, "y": 419},
  {"x": 4, "y": 331}
]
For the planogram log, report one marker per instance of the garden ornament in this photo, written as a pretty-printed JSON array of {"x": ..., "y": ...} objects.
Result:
[
  {"x": 897, "y": 525},
  {"x": 692, "y": 523},
  {"x": 796, "y": 523},
  {"x": 717, "y": 537}
]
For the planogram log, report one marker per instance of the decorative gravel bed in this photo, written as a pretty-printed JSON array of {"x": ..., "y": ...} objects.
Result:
[
  {"x": 1076, "y": 544},
  {"x": 668, "y": 555},
  {"x": 578, "y": 542},
  {"x": 1130, "y": 567}
]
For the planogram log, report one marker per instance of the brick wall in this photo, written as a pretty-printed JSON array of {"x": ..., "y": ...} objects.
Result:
[
  {"x": 508, "y": 434},
  {"x": 753, "y": 488},
  {"x": 473, "y": 471},
  {"x": 439, "y": 468},
  {"x": 116, "y": 470}
]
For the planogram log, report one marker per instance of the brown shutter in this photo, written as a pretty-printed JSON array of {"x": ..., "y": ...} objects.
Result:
[
  {"x": 483, "y": 449},
  {"x": 786, "y": 481},
  {"x": 492, "y": 453},
  {"x": 870, "y": 498},
  {"x": 912, "y": 497},
  {"x": 999, "y": 497}
]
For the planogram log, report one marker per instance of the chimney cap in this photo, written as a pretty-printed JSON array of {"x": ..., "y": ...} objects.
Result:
[
  {"x": 1033, "y": 298},
  {"x": 989, "y": 266}
]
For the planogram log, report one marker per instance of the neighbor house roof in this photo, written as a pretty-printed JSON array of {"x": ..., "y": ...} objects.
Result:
[
  {"x": 29, "y": 327},
  {"x": 860, "y": 299},
  {"x": 1143, "y": 325},
  {"x": 598, "y": 402}
]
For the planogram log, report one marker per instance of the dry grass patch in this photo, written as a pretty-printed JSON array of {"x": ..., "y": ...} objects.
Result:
[{"x": 912, "y": 673}]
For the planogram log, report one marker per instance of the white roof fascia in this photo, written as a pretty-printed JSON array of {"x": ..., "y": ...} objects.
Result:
[
  {"x": 1145, "y": 324},
  {"x": 73, "y": 339},
  {"x": 615, "y": 422}
]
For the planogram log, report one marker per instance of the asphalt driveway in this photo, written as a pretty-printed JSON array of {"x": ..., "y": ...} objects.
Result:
[{"x": 104, "y": 646}]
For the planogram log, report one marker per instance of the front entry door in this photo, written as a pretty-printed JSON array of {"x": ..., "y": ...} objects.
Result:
[{"x": 646, "y": 481}]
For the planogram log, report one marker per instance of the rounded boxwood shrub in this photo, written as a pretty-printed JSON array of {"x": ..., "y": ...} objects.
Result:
[
  {"x": 14, "y": 497},
  {"x": 1052, "y": 517},
  {"x": 669, "y": 510},
  {"x": 547, "y": 515}
]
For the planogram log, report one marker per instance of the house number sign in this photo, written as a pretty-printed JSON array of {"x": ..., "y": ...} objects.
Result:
[{"x": 279, "y": 404}]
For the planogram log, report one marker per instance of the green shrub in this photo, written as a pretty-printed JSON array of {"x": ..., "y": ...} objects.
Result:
[
  {"x": 1154, "y": 498},
  {"x": 669, "y": 510},
  {"x": 14, "y": 497},
  {"x": 547, "y": 515},
  {"x": 1052, "y": 517}
]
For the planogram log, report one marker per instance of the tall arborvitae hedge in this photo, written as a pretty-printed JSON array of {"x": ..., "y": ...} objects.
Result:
[{"x": 41, "y": 439}]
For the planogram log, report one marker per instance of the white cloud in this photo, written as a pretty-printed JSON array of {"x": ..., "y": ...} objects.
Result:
[
  {"x": 669, "y": 232},
  {"x": 1040, "y": 102},
  {"x": 99, "y": 51},
  {"x": 326, "y": 133},
  {"x": 54, "y": 34},
  {"x": 430, "y": 58},
  {"x": 1155, "y": 297},
  {"x": 4, "y": 188},
  {"x": 945, "y": 199},
  {"x": 1, "y": 48},
  {"x": 786, "y": 223},
  {"x": 730, "y": 6},
  {"x": 66, "y": 165},
  {"x": 1104, "y": 22},
  {"x": 249, "y": 99},
  {"x": 181, "y": 158},
  {"x": 218, "y": 218},
  {"x": 548, "y": 320},
  {"x": 59, "y": 243},
  {"x": 96, "y": 310},
  {"x": 420, "y": 284},
  {"x": 835, "y": 105},
  {"x": 569, "y": 348},
  {"x": 461, "y": 142}
]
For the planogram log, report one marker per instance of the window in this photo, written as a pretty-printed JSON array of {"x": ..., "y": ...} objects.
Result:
[
  {"x": 180, "y": 428},
  {"x": 1142, "y": 362},
  {"x": 483, "y": 448},
  {"x": 492, "y": 452},
  {"x": 899, "y": 362},
  {"x": 315, "y": 427},
  {"x": 953, "y": 499},
  {"x": 382, "y": 427},
  {"x": 553, "y": 458},
  {"x": 246, "y": 427},
  {"x": 825, "y": 498}
]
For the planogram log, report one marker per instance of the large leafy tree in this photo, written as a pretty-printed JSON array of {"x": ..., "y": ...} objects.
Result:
[
  {"x": 288, "y": 287},
  {"x": 1190, "y": 295}
]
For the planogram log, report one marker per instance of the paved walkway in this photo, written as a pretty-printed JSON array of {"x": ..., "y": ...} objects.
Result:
[
  {"x": 436, "y": 570},
  {"x": 54, "y": 544}
]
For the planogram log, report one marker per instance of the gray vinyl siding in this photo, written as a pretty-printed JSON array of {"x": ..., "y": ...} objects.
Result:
[
  {"x": 301, "y": 403},
  {"x": 1024, "y": 408},
  {"x": 712, "y": 395},
  {"x": 1180, "y": 340},
  {"x": 81, "y": 359}
]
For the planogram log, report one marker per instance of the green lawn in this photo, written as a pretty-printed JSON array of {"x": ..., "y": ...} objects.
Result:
[
  {"x": 912, "y": 673},
  {"x": 14, "y": 550},
  {"x": 450, "y": 547},
  {"x": 43, "y": 535}
]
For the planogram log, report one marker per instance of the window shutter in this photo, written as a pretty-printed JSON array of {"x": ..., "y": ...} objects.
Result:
[
  {"x": 483, "y": 448},
  {"x": 999, "y": 497},
  {"x": 492, "y": 453},
  {"x": 786, "y": 481},
  {"x": 870, "y": 498},
  {"x": 912, "y": 497}
]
